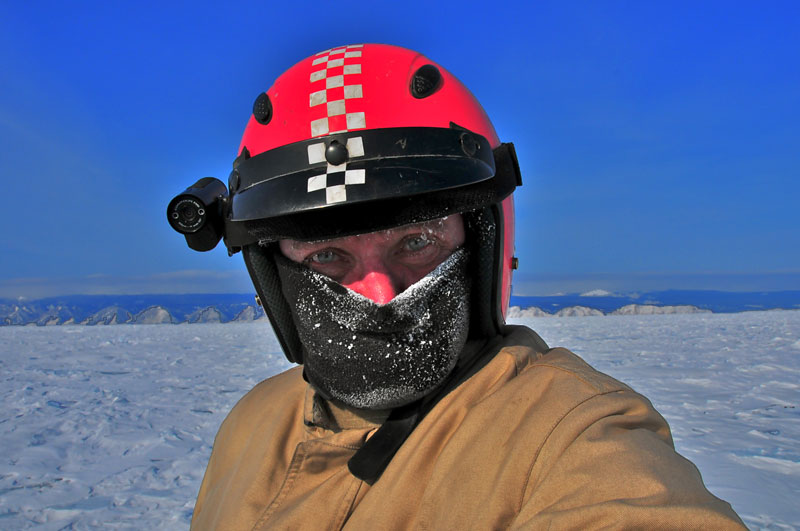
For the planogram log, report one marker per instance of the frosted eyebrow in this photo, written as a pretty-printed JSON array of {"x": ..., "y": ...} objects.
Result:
[
  {"x": 306, "y": 246},
  {"x": 434, "y": 227}
]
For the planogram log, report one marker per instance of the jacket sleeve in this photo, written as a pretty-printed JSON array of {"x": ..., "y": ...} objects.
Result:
[{"x": 609, "y": 462}]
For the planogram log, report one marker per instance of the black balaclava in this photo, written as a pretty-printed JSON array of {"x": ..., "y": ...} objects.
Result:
[{"x": 379, "y": 356}]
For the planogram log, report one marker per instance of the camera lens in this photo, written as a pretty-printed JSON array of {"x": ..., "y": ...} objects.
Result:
[{"x": 187, "y": 214}]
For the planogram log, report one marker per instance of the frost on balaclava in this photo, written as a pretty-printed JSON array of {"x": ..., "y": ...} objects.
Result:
[{"x": 379, "y": 356}]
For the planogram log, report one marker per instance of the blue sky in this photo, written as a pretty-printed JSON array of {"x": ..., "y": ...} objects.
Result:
[{"x": 659, "y": 142}]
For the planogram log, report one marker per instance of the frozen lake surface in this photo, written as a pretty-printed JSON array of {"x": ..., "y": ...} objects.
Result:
[{"x": 112, "y": 426}]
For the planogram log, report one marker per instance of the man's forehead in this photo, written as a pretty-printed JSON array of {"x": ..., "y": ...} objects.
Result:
[{"x": 432, "y": 226}]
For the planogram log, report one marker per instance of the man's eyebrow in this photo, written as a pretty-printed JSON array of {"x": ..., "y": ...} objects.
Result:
[
  {"x": 433, "y": 225},
  {"x": 307, "y": 245}
]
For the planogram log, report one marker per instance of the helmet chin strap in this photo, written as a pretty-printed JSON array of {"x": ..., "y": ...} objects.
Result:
[{"x": 379, "y": 356}]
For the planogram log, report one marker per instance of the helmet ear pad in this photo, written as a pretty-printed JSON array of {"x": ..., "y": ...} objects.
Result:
[
  {"x": 264, "y": 274},
  {"x": 484, "y": 236}
]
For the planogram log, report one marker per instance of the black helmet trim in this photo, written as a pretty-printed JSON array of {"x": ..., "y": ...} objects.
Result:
[
  {"x": 443, "y": 171},
  {"x": 358, "y": 166}
]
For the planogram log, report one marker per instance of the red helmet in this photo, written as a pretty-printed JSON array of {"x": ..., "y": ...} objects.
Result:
[{"x": 366, "y": 137}]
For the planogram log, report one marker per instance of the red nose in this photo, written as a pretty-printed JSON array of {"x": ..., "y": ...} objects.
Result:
[{"x": 376, "y": 286}]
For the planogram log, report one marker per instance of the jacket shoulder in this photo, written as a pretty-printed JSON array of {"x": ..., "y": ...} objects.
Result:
[
  {"x": 280, "y": 387},
  {"x": 274, "y": 401},
  {"x": 533, "y": 357},
  {"x": 573, "y": 366},
  {"x": 581, "y": 432}
]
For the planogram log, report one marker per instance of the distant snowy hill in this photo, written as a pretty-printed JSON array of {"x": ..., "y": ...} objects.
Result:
[
  {"x": 94, "y": 310},
  {"x": 154, "y": 315},
  {"x": 108, "y": 316},
  {"x": 577, "y": 311},
  {"x": 597, "y": 293},
  {"x": 515, "y": 312},
  {"x": 251, "y": 313}
]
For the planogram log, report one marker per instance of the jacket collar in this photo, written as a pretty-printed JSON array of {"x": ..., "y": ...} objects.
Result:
[{"x": 330, "y": 415}]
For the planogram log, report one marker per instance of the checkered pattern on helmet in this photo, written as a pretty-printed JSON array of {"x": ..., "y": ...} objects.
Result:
[{"x": 336, "y": 93}]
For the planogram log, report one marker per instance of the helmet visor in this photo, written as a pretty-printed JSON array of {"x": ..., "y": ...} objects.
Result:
[{"x": 361, "y": 181}]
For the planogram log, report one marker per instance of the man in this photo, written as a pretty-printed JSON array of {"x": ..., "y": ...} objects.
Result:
[{"x": 372, "y": 201}]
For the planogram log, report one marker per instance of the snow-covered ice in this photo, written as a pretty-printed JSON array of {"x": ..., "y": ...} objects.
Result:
[{"x": 112, "y": 426}]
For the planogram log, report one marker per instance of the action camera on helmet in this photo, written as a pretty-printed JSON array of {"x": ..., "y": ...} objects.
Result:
[{"x": 197, "y": 213}]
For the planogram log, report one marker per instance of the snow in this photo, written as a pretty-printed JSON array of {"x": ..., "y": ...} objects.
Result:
[
  {"x": 115, "y": 424},
  {"x": 515, "y": 312},
  {"x": 112, "y": 426},
  {"x": 597, "y": 293},
  {"x": 577, "y": 311},
  {"x": 649, "y": 309},
  {"x": 154, "y": 315}
]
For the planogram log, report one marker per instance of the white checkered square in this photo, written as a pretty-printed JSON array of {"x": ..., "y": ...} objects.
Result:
[
  {"x": 336, "y": 168},
  {"x": 355, "y": 176},
  {"x": 356, "y": 120},
  {"x": 336, "y": 194},
  {"x": 318, "y": 182},
  {"x": 318, "y": 98},
  {"x": 335, "y": 108},
  {"x": 334, "y": 82},
  {"x": 355, "y": 147},
  {"x": 353, "y": 91},
  {"x": 316, "y": 153},
  {"x": 320, "y": 127}
]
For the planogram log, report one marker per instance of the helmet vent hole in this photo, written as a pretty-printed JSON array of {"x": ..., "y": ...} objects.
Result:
[
  {"x": 425, "y": 81},
  {"x": 262, "y": 109},
  {"x": 469, "y": 145}
]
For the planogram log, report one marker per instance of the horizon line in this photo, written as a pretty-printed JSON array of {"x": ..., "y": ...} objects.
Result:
[{"x": 202, "y": 282}]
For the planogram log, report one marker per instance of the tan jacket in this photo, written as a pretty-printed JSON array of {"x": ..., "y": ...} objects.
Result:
[{"x": 532, "y": 441}]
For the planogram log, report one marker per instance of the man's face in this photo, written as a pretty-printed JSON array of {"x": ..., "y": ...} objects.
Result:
[{"x": 380, "y": 265}]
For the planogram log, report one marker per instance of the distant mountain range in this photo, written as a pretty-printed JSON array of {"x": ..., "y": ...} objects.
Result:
[
  {"x": 582, "y": 311},
  {"x": 221, "y": 308},
  {"x": 139, "y": 309},
  {"x": 715, "y": 301}
]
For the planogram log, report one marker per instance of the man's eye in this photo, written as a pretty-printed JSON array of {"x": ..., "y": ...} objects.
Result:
[
  {"x": 322, "y": 257},
  {"x": 417, "y": 243}
]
